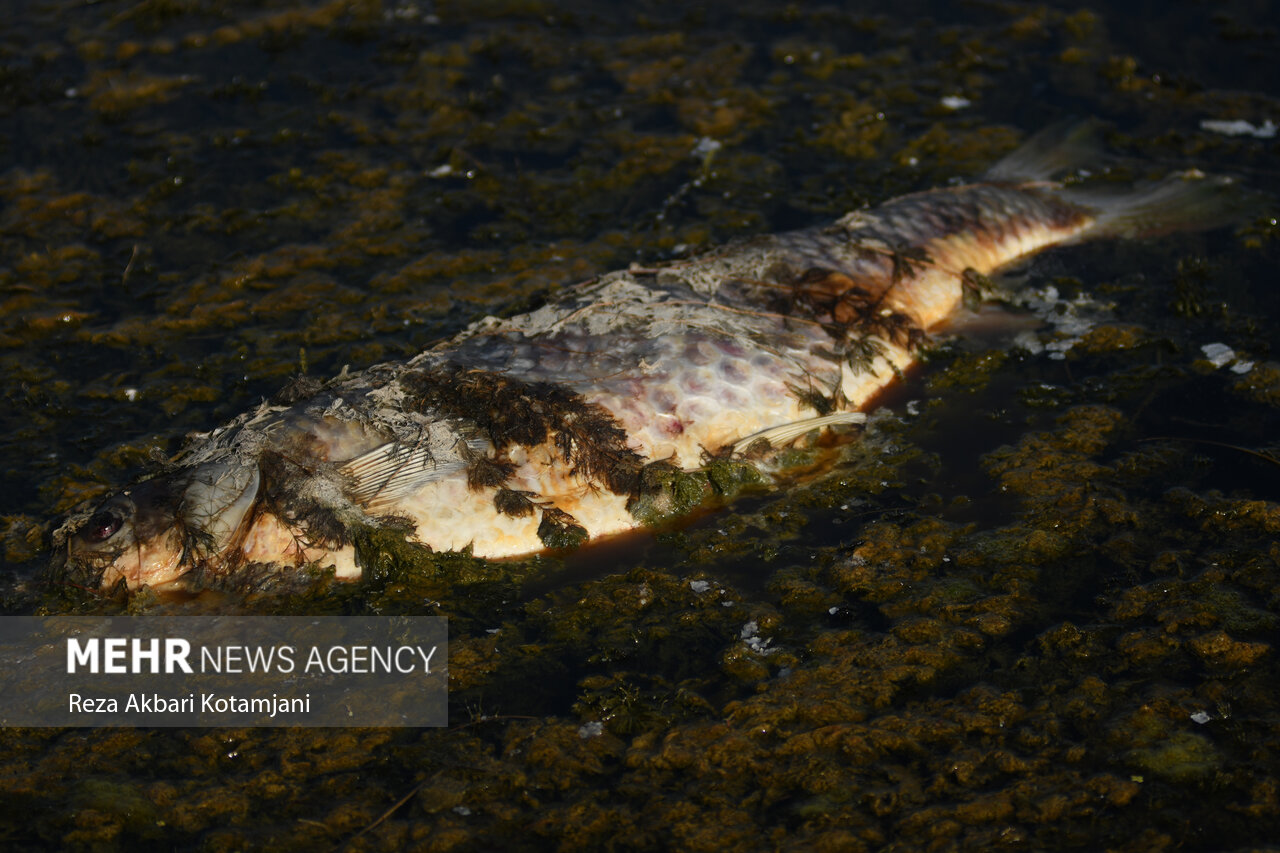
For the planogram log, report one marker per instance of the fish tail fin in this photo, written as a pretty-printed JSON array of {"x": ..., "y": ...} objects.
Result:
[
  {"x": 1060, "y": 148},
  {"x": 1185, "y": 201}
]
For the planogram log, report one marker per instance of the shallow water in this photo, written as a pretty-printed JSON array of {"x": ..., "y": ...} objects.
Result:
[{"x": 992, "y": 623}]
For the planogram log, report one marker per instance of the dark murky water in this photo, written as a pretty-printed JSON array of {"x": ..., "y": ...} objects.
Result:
[{"x": 992, "y": 624}]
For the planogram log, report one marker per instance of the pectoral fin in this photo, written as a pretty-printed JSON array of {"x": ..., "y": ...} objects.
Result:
[
  {"x": 783, "y": 433},
  {"x": 391, "y": 472}
]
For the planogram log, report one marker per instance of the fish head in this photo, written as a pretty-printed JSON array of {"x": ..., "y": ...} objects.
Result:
[
  {"x": 156, "y": 531},
  {"x": 132, "y": 535}
]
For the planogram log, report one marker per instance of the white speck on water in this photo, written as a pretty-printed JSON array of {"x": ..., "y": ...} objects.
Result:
[
  {"x": 407, "y": 12},
  {"x": 1028, "y": 341},
  {"x": 441, "y": 171},
  {"x": 833, "y": 610},
  {"x": 1200, "y": 717},
  {"x": 1070, "y": 319},
  {"x": 1239, "y": 127},
  {"x": 751, "y": 636},
  {"x": 699, "y": 586},
  {"x": 913, "y": 407},
  {"x": 492, "y": 630},
  {"x": 72, "y": 92},
  {"x": 595, "y": 728},
  {"x": 913, "y": 161},
  {"x": 706, "y": 147},
  {"x": 131, "y": 394},
  {"x": 1242, "y": 367},
  {"x": 955, "y": 102},
  {"x": 1219, "y": 355},
  {"x": 462, "y": 810}
]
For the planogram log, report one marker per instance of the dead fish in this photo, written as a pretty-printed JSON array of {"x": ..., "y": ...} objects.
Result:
[{"x": 572, "y": 421}]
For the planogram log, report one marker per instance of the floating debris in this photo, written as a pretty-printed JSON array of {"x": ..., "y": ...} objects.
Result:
[{"x": 1239, "y": 127}]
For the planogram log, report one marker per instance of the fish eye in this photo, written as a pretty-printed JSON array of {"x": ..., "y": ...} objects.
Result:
[{"x": 102, "y": 525}]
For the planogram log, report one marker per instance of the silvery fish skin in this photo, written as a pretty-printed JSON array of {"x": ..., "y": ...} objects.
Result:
[{"x": 543, "y": 429}]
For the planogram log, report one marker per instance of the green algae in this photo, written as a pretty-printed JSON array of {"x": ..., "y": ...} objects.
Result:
[
  {"x": 667, "y": 493},
  {"x": 969, "y": 371},
  {"x": 1168, "y": 749},
  {"x": 1261, "y": 384},
  {"x": 955, "y": 658},
  {"x": 1182, "y": 757},
  {"x": 558, "y": 531},
  {"x": 107, "y": 806},
  {"x": 730, "y": 477}
]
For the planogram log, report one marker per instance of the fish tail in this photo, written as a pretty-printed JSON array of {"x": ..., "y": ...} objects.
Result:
[{"x": 1185, "y": 201}]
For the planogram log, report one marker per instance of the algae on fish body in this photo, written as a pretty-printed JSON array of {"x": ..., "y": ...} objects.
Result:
[{"x": 666, "y": 493}]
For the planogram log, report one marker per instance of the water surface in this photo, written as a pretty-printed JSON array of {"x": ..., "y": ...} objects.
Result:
[{"x": 1036, "y": 608}]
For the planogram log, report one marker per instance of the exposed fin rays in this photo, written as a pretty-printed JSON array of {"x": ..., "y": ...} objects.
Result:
[
  {"x": 1051, "y": 153},
  {"x": 1185, "y": 201},
  {"x": 779, "y": 435},
  {"x": 391, "y": 472}
]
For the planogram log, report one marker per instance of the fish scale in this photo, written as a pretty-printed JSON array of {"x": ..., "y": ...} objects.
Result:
[{"x": 543, "y": 429}]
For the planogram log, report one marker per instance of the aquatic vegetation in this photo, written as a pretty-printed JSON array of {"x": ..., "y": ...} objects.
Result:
[{"x": 1027, "y": 610}]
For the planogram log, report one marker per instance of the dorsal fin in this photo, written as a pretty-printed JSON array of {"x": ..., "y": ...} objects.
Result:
[{"x": 1060, "y": 148}]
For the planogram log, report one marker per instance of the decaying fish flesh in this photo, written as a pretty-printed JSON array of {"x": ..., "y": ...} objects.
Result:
[{"x": 567, "y": 423}]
